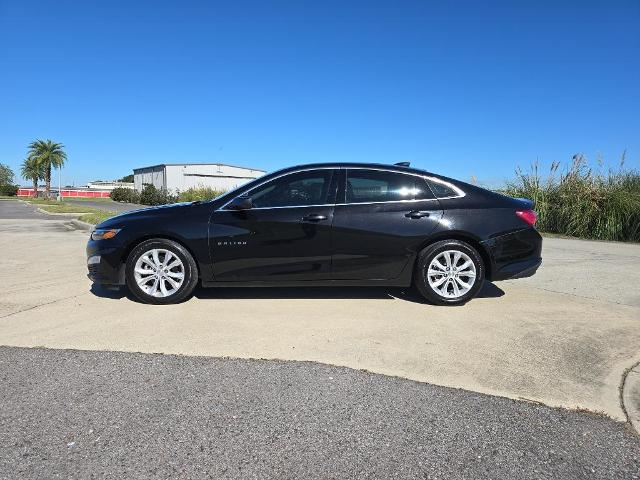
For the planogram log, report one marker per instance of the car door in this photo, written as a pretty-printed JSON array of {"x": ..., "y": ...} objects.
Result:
[
  {"x": 284, "y": 235},
  {"x": 380, "y": 221}
]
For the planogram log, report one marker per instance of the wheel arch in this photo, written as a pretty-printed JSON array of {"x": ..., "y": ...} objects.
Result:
[
  {"x": 463, "y": 237},
  {"x": 134, "y": 243}
]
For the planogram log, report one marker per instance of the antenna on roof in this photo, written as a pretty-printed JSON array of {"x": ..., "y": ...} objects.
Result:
[{"x": 403, "y": 164}]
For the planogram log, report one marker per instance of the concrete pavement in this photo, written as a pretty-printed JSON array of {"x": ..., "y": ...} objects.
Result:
[
  {"x": 555, "y": 338},
  {"x": 603, "y": 271}
]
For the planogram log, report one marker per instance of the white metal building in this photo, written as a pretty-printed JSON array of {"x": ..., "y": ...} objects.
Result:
[{"x": 176, "y": 177}]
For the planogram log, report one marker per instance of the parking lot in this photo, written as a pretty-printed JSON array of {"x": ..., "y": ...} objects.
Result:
[{"x": 563, "y": 338}]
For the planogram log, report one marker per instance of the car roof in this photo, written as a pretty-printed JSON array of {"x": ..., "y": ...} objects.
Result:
[{"x": 392, "y": 167}]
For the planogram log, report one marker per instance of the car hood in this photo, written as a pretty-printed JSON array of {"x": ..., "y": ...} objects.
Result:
[{"x": 155, "y": 211}]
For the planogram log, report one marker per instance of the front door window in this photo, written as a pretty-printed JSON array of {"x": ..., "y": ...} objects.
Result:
[{"x": 294, "y": 190}]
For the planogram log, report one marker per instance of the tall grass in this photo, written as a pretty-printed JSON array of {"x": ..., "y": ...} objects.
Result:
[
  {"x": 199, "y": 193},
  {"x": 581, "y": 202}
]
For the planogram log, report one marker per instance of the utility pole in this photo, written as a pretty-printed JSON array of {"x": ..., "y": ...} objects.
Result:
[{"x": 60, "y": 183}]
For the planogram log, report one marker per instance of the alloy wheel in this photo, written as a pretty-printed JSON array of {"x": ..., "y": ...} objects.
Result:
[
  {"x": 451, "y": 274},
  {"x": 159, "y": 272}
]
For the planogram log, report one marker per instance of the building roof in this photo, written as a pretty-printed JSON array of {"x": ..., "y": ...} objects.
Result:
[{"x": 189, "y": 164}]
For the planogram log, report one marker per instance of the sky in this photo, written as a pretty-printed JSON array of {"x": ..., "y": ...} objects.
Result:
[{"x": 464, "y": 89}]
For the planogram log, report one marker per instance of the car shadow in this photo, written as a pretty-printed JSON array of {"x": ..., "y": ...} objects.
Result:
[{"x": 489, "y": 290}]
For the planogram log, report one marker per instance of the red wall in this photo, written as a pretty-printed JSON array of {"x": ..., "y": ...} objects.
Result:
[{"x": 28, "y": 192}]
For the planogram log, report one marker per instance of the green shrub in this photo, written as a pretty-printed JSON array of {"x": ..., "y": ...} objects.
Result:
[
  {"x": 122, "y": 194},
  {"x": 8, "y": 190},
  {"x": 583, "y": 203},
  {"x": 152, "y": 196},
  {"x": 200, "y": 193}
]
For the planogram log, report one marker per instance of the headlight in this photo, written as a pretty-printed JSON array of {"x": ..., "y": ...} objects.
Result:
[{"x": 104, "y": 234}]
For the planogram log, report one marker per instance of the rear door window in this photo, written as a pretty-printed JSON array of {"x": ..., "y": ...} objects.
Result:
[{"x": 371, "y": 186}]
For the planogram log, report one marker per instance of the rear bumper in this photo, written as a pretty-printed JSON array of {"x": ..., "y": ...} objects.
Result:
[
  {"x": 523, "y": 269},
  {"x": 514, "y": 255}
]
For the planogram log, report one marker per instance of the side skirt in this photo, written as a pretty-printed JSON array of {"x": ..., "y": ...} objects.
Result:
[{"x": 313, "y": 283}]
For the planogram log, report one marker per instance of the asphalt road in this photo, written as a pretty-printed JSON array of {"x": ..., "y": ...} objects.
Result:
[
  {"x": 71, "y": 414},
  {"x": 15, "y": 210}
]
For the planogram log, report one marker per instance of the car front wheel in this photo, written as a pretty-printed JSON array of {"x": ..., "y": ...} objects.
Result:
[
  {"x": 449, "y": 272},
  {"x": 161, "y": 271}
]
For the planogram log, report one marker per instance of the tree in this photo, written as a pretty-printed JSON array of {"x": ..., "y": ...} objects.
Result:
[
  {"x": 34, "y": 171},
  {"x": 127, "y": 178},
  {"x": 6, "y": 175},
  {"x": 49, "y": 155}
]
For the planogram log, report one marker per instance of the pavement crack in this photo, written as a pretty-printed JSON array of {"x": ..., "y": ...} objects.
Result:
[
  {"x": 585, "y": 297},
  {"x": 624, "y": 384},
  {"x": 33, "y": 307}
]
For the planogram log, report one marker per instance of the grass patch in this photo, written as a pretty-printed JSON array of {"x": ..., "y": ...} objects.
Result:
[
  {"x": 39, "y": 201},
  {"x": 62, "y": 208},
  {"x": 96, "y": 218}
]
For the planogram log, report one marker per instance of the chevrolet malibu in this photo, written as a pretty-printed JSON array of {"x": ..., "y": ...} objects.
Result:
[{"x": 338, "y": 224}]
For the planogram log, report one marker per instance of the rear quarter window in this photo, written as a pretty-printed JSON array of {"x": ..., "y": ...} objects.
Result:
[{"x": 440, "y": 190}]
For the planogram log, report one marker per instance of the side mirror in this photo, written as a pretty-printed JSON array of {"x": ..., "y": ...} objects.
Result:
[{"x": 240, "y": 203}]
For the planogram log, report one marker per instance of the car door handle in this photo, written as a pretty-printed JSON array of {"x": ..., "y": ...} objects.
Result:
[
  {"x": 416, "y": 214},
  {"x": 314, "y": 217}
]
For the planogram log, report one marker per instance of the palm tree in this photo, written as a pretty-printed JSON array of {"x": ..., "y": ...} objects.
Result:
[
  {"x": 32, "y": 170},
  {"x": 49, "y": 155}
]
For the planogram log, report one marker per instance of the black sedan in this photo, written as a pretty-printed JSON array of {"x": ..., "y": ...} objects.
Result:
[{"x": 325, "y": 224}]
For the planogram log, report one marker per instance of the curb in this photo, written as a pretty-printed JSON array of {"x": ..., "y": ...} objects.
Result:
[
  {"x": 69, "y": 215},
  {"x": 630, "y": 396},
  {"x": 80, "y": 225},
  {"x": 75, "y": 223}
]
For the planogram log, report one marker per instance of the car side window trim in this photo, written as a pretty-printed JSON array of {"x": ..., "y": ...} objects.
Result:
[{"x": 460, "y": 192}]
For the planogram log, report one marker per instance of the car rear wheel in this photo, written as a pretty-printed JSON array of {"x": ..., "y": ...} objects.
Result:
[
  {"x": 161, "y": 271},
  {"x": 449, "y": 272}
]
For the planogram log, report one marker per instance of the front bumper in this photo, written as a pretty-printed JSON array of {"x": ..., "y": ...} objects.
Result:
[
  {"x": 514, "y": 255},
  {"x": 104, "y": 262}
]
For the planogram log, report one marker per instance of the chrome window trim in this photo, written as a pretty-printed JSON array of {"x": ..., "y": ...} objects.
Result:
[
  {"x": 273, "y": 208},
  {"x": 460, "y": 192},
  {"x": 389, "y": 201}
]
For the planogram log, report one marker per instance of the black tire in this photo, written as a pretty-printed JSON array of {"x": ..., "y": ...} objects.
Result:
[
  {"x": 425, "y": 258},
  {"x": 190, "y": 268}
]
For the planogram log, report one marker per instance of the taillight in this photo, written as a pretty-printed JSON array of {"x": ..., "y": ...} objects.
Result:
[{"x": 528, "y": 216}]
